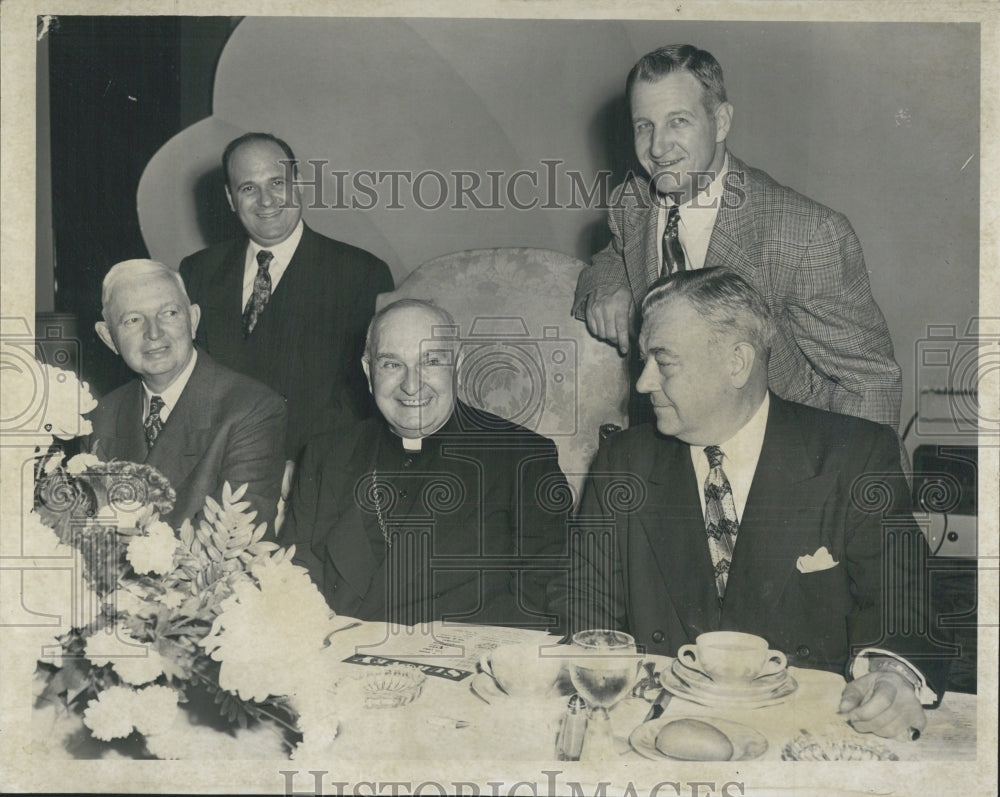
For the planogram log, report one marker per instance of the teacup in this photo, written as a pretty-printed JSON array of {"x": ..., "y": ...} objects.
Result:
[
  {"x": 526, "y": 669},
  {"x": 732, "y": 657}
]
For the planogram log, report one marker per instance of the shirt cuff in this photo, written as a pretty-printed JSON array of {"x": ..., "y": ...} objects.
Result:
[{"x": 861, "y": 665}]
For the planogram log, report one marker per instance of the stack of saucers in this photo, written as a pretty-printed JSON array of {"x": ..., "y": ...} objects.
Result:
[{"x": 687, "y": 681}]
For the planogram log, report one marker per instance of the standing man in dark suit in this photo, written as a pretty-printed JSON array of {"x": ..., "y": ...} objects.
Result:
[
  {"x": 431, "y": 510},
  {"x": 755, "y": 514},
  {"x": 198, "y": 423},
  {"x": 700, "y": 207},
  {"x": 285, "y": 304}
]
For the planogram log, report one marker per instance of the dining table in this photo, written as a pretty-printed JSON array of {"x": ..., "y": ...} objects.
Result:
[{"x": 462, "y": 714}]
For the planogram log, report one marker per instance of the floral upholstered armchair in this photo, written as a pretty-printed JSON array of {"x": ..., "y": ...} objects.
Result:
[{"x": 524, "y": 356}]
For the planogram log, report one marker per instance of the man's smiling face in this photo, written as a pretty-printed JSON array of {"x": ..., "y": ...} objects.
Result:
[
  {"x": 677, "y": 140},
  {"x": 411, "y": 371}
]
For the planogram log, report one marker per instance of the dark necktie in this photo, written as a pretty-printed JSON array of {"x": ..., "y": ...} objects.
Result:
[
  {"x": 673, "y": 252},
  {"x": 720, "y": 518},
  {"x": 261, "y": 292},
  {"x": 153, "y": 424}
]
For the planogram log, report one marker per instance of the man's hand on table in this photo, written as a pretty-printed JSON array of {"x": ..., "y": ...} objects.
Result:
[
  {"x": 882, "y": 703},
  {"x": 610, "y": 312}
]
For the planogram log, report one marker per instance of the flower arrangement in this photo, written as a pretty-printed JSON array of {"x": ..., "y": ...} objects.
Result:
[{"x": 207, "y": 617}]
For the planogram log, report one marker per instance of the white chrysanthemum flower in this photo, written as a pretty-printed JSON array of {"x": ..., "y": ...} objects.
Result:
[
  {"x": 153, "y": 552},
  {"x": 66, "y": 400},
  {"x": 263, "y": 627},
  {"x": 155, "y": 709},
  {"x": 129, "y": 519},
  {"x": 110, "y": 715},
  {"x": 78, "y": 464},
  {"x": 138, "y": 669}
]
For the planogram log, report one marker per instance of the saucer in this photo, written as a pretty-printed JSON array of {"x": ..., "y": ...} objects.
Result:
[
  {"x": 760, "y": 687},
  {"x": 698, "y": 694},
  {"x": 487, "y": 689},
  {"x": 747, "y": 743}
]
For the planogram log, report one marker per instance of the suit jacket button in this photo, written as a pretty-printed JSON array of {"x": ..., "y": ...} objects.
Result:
[
  {"x": 407, "y": 462},
  {"x": 658, "y": 637},
  {"x": 403, "y": 493},
  {"x": 802, "y": 651}
]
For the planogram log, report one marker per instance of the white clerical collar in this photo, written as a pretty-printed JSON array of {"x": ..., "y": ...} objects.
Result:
[
  {"x": 282, "y": 252},
  {"x": 412, "y": 443},
  {"x": 172, "y": 392}
]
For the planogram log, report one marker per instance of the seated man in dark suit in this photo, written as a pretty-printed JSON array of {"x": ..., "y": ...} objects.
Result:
[
  {"x": 432, "y": 510},
  {"x": 198, "y": 423},
  {"x": 750, "y": 513},
  {"x": 284, "y": 304}
]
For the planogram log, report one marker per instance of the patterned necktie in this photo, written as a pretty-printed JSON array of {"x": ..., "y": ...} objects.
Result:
[
  {"x": 720, "y": 518},
  {"x": 261, "y": 292},
  {"x": 673, "y": 252},
  {"x": 153, "y": 424}
]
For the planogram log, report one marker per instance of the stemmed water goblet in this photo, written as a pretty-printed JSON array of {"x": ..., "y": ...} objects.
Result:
[{"x": 603, "y": 665}]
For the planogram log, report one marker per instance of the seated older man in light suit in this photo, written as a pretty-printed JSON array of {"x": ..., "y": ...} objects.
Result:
[
  {"x": 748, "y": 513},
  {"x": 197, "y": 422}
]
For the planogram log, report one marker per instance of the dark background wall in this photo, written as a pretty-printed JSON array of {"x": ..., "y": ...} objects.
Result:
[{"x": 119, "y": 88}]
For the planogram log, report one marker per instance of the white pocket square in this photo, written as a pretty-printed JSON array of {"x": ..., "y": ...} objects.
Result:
[{"x": 813, "y": 563}]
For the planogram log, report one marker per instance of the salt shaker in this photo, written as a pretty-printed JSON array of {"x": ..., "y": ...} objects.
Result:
[{"x": 573, "y": 730}]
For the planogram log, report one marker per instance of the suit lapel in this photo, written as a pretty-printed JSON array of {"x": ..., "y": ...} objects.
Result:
[
  {"x": 129, "y": 442},
  {"x": 783, "y": 486},
  {"x": 287, "y": 297},
  {"x": 734, "y": 236},
  {"x": 186, "y": 433},
  {"x": 675, "y": 527}
]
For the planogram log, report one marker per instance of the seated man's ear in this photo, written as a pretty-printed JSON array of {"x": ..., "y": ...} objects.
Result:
[
  {"x": 742, "y": 362},
  {"x": 368, "y": 373},
  {"x": 104, "y": 333},
  {"x": 194, "y": 313}
]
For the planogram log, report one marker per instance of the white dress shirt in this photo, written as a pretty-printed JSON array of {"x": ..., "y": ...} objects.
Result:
[
  {"x": 173, "y": 391},
  {"x": 697, "y": 219},
  {"x": 282, "y": 252},
  {"x": 740, "y": 454}
]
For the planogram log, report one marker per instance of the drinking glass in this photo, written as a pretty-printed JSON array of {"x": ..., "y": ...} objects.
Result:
[{"x": 603, "y": 666}]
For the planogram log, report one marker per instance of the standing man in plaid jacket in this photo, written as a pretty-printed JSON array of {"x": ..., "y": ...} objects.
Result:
[{"x": 700, "y": 207}]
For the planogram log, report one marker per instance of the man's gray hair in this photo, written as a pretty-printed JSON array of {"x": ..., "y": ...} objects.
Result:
[
  {"x": 730, "y": 304},
  {"x": 129, "y": 269},
  {"x": 663, "y": 61},
  {"x": 443, "y": 315}
]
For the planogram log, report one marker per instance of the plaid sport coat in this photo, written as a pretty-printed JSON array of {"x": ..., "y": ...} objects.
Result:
[{"x": 833, "y": 349}]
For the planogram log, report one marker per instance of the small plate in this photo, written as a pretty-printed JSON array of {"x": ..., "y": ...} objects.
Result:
[
  {"x": 760, "y": 688},
  {"x": 695, "y": 694},
  {"x": 747, "y": 743}
]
